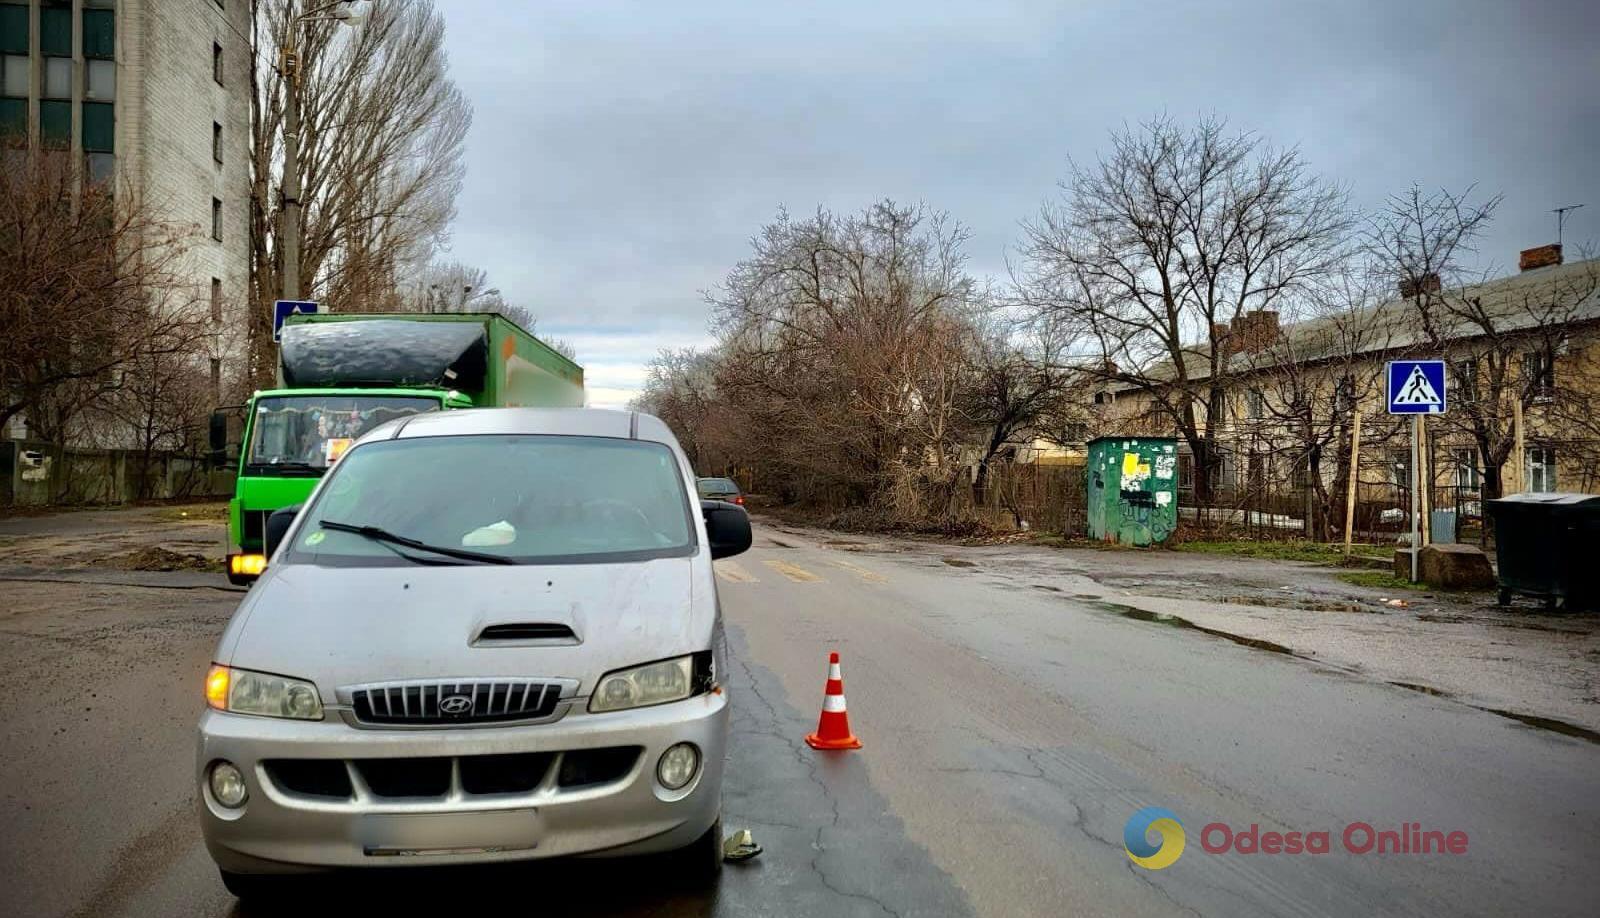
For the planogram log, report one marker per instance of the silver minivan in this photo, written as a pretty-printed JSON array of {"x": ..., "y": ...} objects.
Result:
[{"x": 487, "y": 636}]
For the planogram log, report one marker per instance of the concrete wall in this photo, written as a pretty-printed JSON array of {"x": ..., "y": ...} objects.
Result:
[{"x": 36, "y": 474}]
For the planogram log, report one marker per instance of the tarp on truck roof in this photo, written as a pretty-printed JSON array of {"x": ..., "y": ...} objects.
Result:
[{"x": 386, "y": 352}]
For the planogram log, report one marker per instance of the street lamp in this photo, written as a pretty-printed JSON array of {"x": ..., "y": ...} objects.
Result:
[{"x": 347, "y": 12}]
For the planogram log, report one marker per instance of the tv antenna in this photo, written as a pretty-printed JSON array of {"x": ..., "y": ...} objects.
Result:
[{"x": 1561, "y": 218}]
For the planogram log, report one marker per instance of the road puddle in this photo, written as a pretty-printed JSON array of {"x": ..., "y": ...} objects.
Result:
[
  {"x": 1529, "y": 720},
  {"x": 1424, "y": 689},
  {"x": 1178, "y": 621}
]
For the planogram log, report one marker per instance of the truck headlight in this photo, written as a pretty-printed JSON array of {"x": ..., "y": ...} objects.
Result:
[
  {"x": 243, "y": 691},
  {"x": 641, "y": 686}
]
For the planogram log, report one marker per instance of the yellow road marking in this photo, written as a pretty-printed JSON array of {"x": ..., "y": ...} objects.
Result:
[
  {"x": 859, "y": 571},
  {"x": 797, "y": 574},
  {"x": 732, "y": 572}
]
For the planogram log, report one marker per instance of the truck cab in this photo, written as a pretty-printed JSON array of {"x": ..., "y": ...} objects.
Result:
[{"x": 343, "y": 375}]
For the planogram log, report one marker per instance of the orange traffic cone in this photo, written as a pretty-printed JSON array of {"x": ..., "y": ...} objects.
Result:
[{"x": 833, "y": 730}]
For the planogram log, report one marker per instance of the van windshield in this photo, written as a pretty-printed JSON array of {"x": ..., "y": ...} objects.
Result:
[{"x": 535, "y": 499}]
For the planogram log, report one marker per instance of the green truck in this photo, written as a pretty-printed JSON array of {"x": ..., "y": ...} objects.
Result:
[{"x": 342, "y": 375}]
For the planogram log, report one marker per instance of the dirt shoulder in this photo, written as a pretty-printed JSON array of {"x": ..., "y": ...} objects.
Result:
[{"x": 176, "y": 537}]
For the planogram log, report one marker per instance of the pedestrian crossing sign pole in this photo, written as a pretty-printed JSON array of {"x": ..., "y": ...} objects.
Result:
[{"x": 1417, "y": 388}]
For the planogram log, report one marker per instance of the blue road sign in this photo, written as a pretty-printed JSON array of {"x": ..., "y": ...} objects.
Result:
[
  {"x": 1416, "y": 387},
  {"x": 283, "y": 309}
]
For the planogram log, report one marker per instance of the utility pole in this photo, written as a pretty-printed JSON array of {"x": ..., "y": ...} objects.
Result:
[
  {"x": 342, "y": 11},
  {"x": 291, "y": 162}
]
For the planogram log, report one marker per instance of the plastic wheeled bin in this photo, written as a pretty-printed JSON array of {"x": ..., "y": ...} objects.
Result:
[{"x": 1548, "y": 546}]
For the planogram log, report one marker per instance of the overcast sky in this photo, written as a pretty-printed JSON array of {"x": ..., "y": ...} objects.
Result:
[{"x": 623, "y": 154}]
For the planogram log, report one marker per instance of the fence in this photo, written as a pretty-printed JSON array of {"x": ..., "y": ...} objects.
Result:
[
  {"x": 34, "y": 474},
  {"x": 1049, "y": 497}
]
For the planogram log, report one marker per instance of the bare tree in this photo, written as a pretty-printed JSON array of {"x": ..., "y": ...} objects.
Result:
[
  {"x": 1301, "y": 403},
  {"x": 93, "y": 289},
  {"x": 1019, "y": 388},
  {"x": 838, "y": 338},
  {"x": 1156, "y": 250},
  {"x": 382, "y": 133},
  {"x": 1503, "y": 340},
  {"x": 681, "y": 390}
]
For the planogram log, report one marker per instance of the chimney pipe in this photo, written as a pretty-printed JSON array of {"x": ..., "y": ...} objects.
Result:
[{"x": 1411, "y": 287}]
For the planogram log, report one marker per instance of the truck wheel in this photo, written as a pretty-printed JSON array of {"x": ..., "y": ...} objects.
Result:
[
  {"x": 250, "y": 886},
  {"x": 698, "y": 865},
  {"x": 1505, "y": 596}
]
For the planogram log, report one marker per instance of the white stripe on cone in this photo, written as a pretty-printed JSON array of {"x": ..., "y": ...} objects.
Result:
[
  {"x": 833, "y": 704},
  {"x": 833, "y": 671}
]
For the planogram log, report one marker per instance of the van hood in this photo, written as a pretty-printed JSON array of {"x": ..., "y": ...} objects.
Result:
[{"x": 340, "y": 626}]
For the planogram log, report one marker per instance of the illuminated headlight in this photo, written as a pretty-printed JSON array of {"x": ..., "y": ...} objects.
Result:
[
  {"x": 227, "y": 784},
  {"x": 654, "y": 683},
  {"x": 678, "y": 766},
  {"x": 241, "y": 691}
]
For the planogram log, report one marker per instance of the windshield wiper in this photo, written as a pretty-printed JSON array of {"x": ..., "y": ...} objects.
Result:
[
  {"x": 291, "y": 465},
  {"x": 378, "y": 534}
]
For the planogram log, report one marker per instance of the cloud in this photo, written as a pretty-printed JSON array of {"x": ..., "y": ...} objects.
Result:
[{"x": 623, "y": 154}]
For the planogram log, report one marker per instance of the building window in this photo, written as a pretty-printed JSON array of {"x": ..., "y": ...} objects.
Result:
[
  {"x": 1102, "y": 397},
  {"x": 1185, "y": 472},
  {"x": 1400, "y": 468},
  {"x": 216, "y": 219},
  {"x": 101, "y": 167},
  {"x": 99, "y": 34},
  {"x": 57, "y": 78},
  {"x": 216, "y": 379},
  {"x": 1256, "y": 403},
  {"x": 14, "y": 118},
  {"x": 216, "y": 62},
  {"x": 1466, "y": 463},
  {"x": 216, "y": 299},
  {"x": 1541, "y": 468},
  {"x": 14, "y": 28},
  {"x": 1539, "y": 372},
  {"x": 102, "y": 85},
  {"x": 55, "y": 31},
  {"x": 55, "y": 123},
  {"x": 16, "y": 74},
  {"x": 1464, "y": 380},
  {"x": 99, "y": 127},
  {"x": 216, "y": 141}
]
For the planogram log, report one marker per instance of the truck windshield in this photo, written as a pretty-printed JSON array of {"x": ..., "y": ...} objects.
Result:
[
  {"x": 530, "y": 498},
  {"x": 310, "y": 432}
]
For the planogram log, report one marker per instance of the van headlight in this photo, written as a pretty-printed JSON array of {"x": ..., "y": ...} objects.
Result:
[
  {"x": 243, "y": 691},
  {"x": 653, "y": 683}
]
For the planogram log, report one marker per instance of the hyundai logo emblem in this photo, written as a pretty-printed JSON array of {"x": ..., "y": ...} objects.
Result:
[{"x": 455, "y": 705}]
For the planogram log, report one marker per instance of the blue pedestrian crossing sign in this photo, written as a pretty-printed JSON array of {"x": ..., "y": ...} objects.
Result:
[
  {"x": 283, "y": 309},
  {"x": 1416, "y": 387}
]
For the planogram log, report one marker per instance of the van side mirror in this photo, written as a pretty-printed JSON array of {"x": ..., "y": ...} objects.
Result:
[
  {"x": 727, "y": 528},
  {"x": 219, "y": 438},
  {"x": 278, "y": 526}
]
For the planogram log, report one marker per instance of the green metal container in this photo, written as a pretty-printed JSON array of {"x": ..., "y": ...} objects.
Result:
[{"x": 1133, "y": 489}]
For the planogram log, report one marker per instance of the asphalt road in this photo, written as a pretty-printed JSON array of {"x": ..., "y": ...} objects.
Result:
[{"x": 1012, "y": 725}]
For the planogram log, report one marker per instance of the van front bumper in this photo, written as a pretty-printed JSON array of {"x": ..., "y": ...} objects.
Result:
[{"x": 299, "y": 817}]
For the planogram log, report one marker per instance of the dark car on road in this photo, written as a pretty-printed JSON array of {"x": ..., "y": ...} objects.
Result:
[{"x": 719, "y": 489}]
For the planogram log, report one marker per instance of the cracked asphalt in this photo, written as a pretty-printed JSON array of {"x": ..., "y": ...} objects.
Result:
[{"x": 1010, "y": 732}]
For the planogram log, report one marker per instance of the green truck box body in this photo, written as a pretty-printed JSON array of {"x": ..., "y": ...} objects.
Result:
[
  {"x": 1133, "y": 489},
  {"x": 388, "y": 365}
]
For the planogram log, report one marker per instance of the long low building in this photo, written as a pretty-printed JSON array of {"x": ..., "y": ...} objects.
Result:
[{"x": 1523, "y": 388}]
